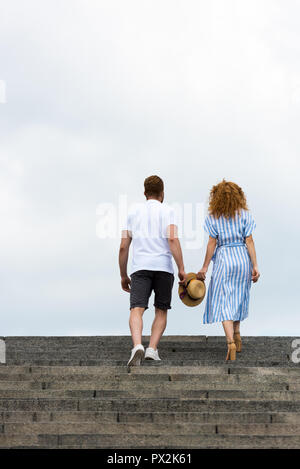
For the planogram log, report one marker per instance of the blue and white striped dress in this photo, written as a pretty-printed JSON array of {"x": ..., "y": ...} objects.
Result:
[{"x": 228, "y": 292}]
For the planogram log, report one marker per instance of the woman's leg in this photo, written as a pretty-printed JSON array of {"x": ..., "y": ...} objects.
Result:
[
  {"x": 228, "y": 329},
  {"x": 237, "y": 336}
]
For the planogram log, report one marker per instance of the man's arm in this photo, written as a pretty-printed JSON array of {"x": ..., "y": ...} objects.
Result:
[
  {"x": 175, "y": 248},
  {"x": 123, "y": 259}
]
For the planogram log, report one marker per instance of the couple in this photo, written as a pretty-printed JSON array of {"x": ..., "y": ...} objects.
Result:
[{"x": 152, "y": 229}]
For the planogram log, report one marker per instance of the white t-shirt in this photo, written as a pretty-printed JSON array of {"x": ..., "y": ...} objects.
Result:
[{"x": 147, "y": 225}]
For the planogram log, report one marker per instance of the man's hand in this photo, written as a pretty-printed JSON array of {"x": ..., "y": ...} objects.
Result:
[
  {"x": 255, "y": 274},
  {"x": 201, "y": 275},
  {"x": 125, "y": 283},
  {"x": 182, "y": 277}
]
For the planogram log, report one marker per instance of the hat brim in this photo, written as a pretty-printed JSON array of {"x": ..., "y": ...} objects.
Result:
[{"x": 186, "y": 299}]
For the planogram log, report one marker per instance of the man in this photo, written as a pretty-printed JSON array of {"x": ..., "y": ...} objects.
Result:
[{"x": 152, "y": 230}]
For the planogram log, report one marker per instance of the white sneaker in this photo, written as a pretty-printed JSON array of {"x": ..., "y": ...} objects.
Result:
[
  {"x": 137, "y": 354},
  {"x": 151, "y": 354}
]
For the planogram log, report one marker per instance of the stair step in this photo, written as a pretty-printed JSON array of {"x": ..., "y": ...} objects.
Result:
[
  {"x": 146, "y": 368},
  {"x": 94, "y": 428},
  {"x": 138, "y": 441},
  {"x": 148, "y": 417},
  {"x": 142, "y": 386},
  {"x": 141, "y": 417},
  {"x": 195, "y": 363},
  {"x": 155, "y": 392},
  {"x": 150, "y": 404}
]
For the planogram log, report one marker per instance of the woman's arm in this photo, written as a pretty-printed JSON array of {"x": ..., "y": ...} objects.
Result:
[
  {"x": 211, "y": 246},
  {"x": 252, "y": 253}
]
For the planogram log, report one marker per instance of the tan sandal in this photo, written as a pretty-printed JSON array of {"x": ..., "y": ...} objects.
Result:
[
  {"x": 237, "y": 341},
  {"x": 231, "y": 354}
]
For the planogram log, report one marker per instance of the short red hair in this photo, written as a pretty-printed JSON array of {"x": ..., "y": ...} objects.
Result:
[{"x": 154, "y": 186}]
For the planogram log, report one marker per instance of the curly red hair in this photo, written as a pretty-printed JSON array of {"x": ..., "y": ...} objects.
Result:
[{"x": 226, "y": 198}]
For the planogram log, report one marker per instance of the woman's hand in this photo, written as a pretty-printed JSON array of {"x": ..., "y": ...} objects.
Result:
[
  {"x": 255, "y": 274},
  {"x": 201, "y": 275}
]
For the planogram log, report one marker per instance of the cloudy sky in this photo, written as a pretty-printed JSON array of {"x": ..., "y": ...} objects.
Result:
[{"x": 101, "y": 94}]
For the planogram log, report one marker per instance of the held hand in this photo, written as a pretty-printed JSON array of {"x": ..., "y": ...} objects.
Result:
[
  {"x": 201, "y": 275},
  {"x": 125, "y": 283},
  {"x": 255, "y": 274},
  {"x": 182, "y": 277}
]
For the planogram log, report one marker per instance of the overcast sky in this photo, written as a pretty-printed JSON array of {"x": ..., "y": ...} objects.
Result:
[{"x": 101, "y": 94}]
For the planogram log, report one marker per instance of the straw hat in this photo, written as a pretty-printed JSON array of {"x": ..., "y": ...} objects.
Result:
[{"x": 193, "y": 293}]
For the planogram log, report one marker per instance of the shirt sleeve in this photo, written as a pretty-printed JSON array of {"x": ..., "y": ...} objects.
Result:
[
  {"x": 249, "y": 224},
  {"x": 170, "y": 218},
  {"x": 127, "y": 225},
  {"x": 209, "y": 227}
]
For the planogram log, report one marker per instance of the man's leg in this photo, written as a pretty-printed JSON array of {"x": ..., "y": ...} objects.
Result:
[
  {"x": 162, "y": 285},
  {"x": 141, "y": 287},
  {"x": 158, "y": 327},
  {"x": 136, "y": 325}
]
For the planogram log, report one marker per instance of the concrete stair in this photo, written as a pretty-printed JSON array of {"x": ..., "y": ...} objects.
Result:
[{"x": 76, "y": 392}]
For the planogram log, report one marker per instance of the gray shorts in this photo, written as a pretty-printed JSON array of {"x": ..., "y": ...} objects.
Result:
[{"x": 142, "y": 284}]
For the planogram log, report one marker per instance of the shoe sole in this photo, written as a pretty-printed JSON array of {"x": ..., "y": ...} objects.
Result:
[
  {"x": 153, "y": 359},
  {"x": 137, "y": 358}
]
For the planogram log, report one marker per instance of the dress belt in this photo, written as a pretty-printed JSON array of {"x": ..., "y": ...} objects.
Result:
[{"x": 230, "y": 245}]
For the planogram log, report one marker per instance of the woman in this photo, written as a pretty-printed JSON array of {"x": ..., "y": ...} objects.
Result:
[{"x": 231, "y": 247}]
